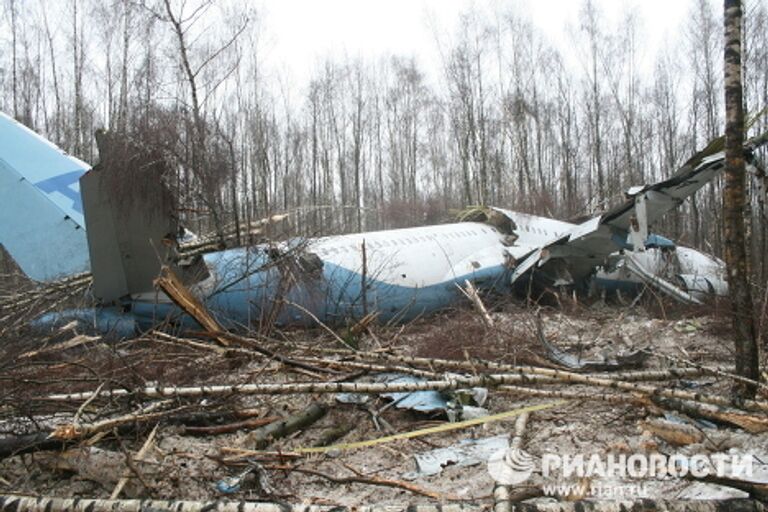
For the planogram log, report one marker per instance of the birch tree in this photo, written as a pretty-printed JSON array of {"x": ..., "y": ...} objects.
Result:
[{"x": 734, "y": 199}]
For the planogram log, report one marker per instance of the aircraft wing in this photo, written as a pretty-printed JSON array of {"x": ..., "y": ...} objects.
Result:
[
  {"x": 625, "y": 226},
  {"x": 41, "y": 213}
]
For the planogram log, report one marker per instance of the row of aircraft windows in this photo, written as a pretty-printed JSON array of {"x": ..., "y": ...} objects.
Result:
[
  {"x": 539, "y": 231},
  {"x": 408, "y": 240}
]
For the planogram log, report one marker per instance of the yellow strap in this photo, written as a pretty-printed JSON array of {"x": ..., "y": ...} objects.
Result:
[{"x": 445, "y": 427}]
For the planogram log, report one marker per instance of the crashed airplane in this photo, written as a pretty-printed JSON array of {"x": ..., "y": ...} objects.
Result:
[{"x": 60, "y": 217}]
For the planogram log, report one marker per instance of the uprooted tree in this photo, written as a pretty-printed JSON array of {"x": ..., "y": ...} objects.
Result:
[{"x": 734, "y": 199}]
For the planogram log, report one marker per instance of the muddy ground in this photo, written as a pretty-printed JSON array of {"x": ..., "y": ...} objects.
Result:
[{"x": 179, "y": 465}]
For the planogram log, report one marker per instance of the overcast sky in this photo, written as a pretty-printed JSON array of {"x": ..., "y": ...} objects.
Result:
[{"x": 299, "y": 33}]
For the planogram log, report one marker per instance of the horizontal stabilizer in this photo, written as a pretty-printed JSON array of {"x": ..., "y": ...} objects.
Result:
[{"x": 41, "y": 213}]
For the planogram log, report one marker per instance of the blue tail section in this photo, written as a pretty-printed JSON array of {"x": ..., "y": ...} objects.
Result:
[{"x": 41, "y": 212}]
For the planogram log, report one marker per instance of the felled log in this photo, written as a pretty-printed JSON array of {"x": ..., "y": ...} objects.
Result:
[
  {"x": 229, "y": 427},
  {"x": 474, "y": 365},
  {"x": 65, "y": 435},
  {"x": 756, "y": 490},
  {"x": 674, "y": 433},
  {"x": 248, "y": 347},
  {"x": 372, "y": 367},
  {"x": 524, "y": 375},
  {"x": 16, "y": 503},
  {"x": 644, "y": 505},
  {"x": 265, "y": 435},
  {"x": 17, "y": 445},
  {"x": 750, "y": 422},
  {"x": 333, "y": 434},
  {"x": 615, "y": 398},
  {"x": 709, "y": 370}
]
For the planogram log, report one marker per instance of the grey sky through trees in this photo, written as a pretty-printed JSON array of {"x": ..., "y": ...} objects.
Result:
[{"x": 300, "y": 34}]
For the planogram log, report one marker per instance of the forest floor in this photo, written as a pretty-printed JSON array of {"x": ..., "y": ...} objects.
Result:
[{"x": 182, "y": 456}]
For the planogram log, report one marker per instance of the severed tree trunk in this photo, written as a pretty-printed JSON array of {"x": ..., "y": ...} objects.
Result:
[{"x": 733, "y": 205}]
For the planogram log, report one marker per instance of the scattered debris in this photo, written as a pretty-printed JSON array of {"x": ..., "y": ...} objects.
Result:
[
  {"x": 467, "y": 452},
  {"x": 221, "y": 410}
]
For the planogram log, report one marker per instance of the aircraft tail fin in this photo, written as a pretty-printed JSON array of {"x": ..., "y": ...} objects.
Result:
[
  {"x": 131, "y": 217},
  {"x": 41, "y": 214}
]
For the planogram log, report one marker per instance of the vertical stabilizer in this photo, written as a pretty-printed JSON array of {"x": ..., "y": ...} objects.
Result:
[
  {"x": 131, "y": 220},
  {"x": 41, "y": 212}
]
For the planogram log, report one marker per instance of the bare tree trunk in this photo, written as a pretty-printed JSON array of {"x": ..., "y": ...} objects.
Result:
[
  {"x": 733, "y": 204},
  {"x": 14, "y": 59}
]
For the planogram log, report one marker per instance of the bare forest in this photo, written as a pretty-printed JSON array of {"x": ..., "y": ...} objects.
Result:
[{"x": 374, "y": 145}]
